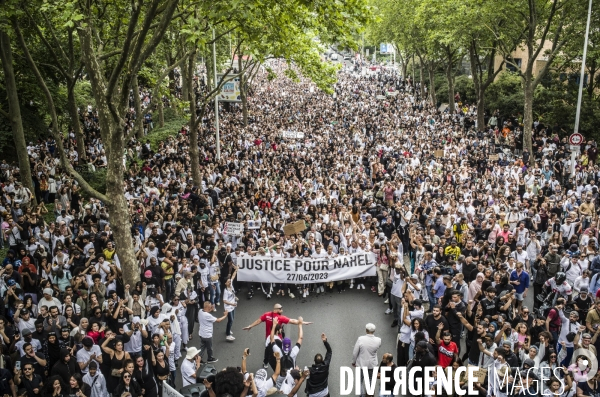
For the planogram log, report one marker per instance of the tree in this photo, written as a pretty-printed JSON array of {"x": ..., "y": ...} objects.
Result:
[
  {"x": 14, "y": 111},
  {"x": 543, "y": 27}
]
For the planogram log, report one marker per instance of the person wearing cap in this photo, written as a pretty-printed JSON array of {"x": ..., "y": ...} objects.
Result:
[
  {"x": 365, "y": 350},
  {"x": 583, "y": 302},
  {"x": 90, "y": 352},
  {"x": 422, "y": 358},
  {"x": 568, "y": 325},
  {"x": 23, "y": 319},
  {"x": 26, "y": 337}
]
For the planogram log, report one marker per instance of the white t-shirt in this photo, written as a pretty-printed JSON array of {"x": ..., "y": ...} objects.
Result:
[
  {"x": 288, "y": 384},
  {"x": 206, "y": 324},
  {"x": 135, "y": 340},
  {"x": 83, "y": 356},
  {"x": 229, "y": 296},
  {"x": 188, "y": 368}
]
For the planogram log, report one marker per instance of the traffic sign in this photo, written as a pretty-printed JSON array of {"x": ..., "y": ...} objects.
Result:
[
  {"x": 576, "y": 139},
  {"x": 574, "y": 148}
]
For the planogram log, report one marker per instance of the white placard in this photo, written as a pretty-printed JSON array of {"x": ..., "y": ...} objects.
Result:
[
  {"x": 292, "y": 134},
  {"x": 168, "y": 391},
  {"x": 254, "y": 224},
  {"x": 233, "y": 229},
  {"x": 266, "y": 269}
]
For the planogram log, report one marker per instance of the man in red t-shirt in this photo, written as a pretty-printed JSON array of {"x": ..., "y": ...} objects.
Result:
[
  {"x": 267, "y": 318},
  {"x": 447, "y": 350}
]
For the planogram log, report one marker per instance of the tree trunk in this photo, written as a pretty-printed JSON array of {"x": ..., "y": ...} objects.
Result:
[
  {"x": 480, "y": 109},
  {"x": 243, "y": 91},
  {"x": 194, "y": 153},
  {"x": 117, "y": 205},
  {"x": 14, "y": 111},
  {"x": 75, "y": 124},
  {"x": 139, "y": 124},
  {"x": 185, "y": 84},
  {"x": 431, "y": 70},
  {"x": 450, "y": 78},
  {"x": 161, "y": 112},
  {"x": 421, "y": 78},
  {"x": 479, "y": 87},
  {"x": 528, "y": 118}
]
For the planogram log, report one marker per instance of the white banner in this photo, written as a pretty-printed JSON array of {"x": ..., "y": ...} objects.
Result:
[
  {"x": 168, "y": 391},
  {"x": 292, "y": 134},
  {"x": 233, "y": 229},
  {"x": 266, "y": 269}
]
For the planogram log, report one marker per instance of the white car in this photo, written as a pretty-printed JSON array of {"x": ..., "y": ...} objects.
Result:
[{"x": 334, "y": 57}]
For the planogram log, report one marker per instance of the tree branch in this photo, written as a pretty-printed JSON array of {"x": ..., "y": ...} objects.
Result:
[{"x": 55, "y": 126}]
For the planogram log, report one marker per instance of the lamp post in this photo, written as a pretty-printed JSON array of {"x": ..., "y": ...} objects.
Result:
[
  {"x": 581, "y": 78},
  {"x": 216, "y": 98}
]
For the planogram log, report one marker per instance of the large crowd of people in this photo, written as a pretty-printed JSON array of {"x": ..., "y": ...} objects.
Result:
[{"x": 465, "y": 231}]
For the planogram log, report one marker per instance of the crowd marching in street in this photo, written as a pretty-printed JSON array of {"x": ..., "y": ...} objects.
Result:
[{"x": 466, "y": 228}]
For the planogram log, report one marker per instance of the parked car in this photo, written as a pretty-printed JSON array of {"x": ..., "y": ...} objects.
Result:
[{"x": 334, "y": 57}]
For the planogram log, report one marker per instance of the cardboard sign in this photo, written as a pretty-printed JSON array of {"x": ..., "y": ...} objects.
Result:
[
  {"x": 480, "y": 374},
  {"x": 294, "y": 228},
  {"x": 494, "y": 157},
  {"x": 438, "y": 153},
  {"x": 233, "y": 229},
  {"x": 380, "y": 97}
]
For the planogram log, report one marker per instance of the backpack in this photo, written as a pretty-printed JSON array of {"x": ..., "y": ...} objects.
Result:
[{"x": 286, "y": 362}]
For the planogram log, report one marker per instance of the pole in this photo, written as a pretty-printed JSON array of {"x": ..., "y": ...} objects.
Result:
[
  {"x": 581, "y": 78},
  {"x": 217, "y": 137}
]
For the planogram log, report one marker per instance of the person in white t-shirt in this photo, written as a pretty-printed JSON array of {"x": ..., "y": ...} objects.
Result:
[
  {"x": 89, "y": 353},
  {"x": 206, "y": 321},
  {"x": 293, "y": 379},
  {"x": 189, "y": 366}
]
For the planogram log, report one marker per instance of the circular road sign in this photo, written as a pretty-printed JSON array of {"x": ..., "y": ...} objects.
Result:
[{"x": 576, "y": 139}]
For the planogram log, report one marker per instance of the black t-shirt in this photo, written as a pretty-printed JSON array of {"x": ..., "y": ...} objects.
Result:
[
  {"x": 474, "y": 351},
  {"x": 29, "y": 385},
  {"x": 391, "y": 383},
  {"x": 432, "y": 325},
  {"x": 489, "y": 306},
  {"x": 37, "y": 368}
]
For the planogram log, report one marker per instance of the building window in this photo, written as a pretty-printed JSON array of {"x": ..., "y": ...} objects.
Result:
[{"x": 511, "y": 65}]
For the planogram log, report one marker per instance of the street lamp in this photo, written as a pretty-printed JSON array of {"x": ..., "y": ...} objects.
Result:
[{"x": 580, "y": 93}]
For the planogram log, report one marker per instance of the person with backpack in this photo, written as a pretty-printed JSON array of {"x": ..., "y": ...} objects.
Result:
[{"x": 288, "y": 352}]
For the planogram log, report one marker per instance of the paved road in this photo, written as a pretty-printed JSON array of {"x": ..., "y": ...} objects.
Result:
[{"x": 342, "y": 317}]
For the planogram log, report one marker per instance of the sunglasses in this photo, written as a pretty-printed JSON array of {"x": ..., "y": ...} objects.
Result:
[
  {"x": 27, "y": 369},
  {"x": 126, "y": 377}
]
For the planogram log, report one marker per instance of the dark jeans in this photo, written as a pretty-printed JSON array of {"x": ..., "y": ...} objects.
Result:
[
  {"x": 206, "y": 343},
  {"x": 537, "y": 289},
  {"x": 230, "y": 317}
]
